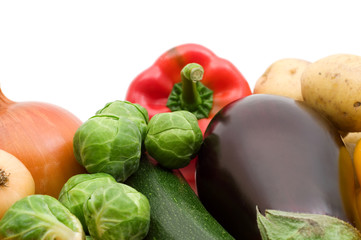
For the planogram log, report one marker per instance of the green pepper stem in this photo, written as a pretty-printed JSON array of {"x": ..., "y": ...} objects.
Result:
[
  {"x": 190, "y": 94},
  {"x": 190, "y": 75}
]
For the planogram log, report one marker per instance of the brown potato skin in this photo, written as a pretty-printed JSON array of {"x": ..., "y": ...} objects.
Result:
[
  {"x": 283, "y": 78},
  {"x": 332, "y": 86}
]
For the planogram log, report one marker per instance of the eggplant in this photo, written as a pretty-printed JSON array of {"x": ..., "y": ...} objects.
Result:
[{"x": 273, "y": 152}]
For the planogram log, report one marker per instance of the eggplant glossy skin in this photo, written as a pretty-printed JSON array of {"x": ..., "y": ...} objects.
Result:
[{"x": 275, "y": 153}]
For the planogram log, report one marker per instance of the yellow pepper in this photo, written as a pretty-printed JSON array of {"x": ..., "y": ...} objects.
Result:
[
  {"x": 357, "y": 160},
  {"x": 357, "y": 166}
]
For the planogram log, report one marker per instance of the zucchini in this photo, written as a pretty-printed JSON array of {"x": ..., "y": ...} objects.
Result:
[{"x": 176, "y": 211}]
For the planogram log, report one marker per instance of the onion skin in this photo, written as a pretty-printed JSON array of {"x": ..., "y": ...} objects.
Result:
[
  {"x": 41, "y": 136},
  {"x": 18, "y": 181}
]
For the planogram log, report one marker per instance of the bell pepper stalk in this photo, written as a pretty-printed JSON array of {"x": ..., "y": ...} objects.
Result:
[
  {"x": 157, "y": 87},
  {"x": 190, "y": 94}
]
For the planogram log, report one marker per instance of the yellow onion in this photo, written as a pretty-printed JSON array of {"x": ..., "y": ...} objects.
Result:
[
  {"x": 40, "y": 135},
  {"x": 16, "y": 181}
]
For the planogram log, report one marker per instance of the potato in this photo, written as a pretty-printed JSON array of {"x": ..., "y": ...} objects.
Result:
[
  {"x": 282, "y": 78},
  {"x": 332, "y": 86}
]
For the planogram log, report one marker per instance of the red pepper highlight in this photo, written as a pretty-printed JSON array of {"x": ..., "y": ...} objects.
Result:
[{"x": 152, "y": 87}]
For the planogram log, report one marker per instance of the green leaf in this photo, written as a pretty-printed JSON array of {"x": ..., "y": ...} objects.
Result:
[
  {"x": 77, "y": 190},
  {"x": 281, "y": 225},
  {"x": 40, "y": 217},
  {"x": 117, "y": 211},
  {"x": 175, "y": 102},
  {"x": 132, "y": 111},
  {"x": 109, "y": 144},
  {"x": 173, "y": 138}
]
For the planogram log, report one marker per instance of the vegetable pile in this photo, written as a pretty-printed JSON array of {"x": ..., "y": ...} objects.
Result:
[
  {"x": 191, "y": 153},
  {"x": 165, "y": 86}
]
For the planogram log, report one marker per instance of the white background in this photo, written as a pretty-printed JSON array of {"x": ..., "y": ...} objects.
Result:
[{"x": 82, "y": 54}]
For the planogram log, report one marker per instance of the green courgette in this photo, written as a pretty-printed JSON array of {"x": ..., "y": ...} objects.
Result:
[{"x": 176, "y": 211}]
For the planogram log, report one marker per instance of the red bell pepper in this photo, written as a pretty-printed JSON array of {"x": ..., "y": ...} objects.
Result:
[{"x": 222, "y": 83}]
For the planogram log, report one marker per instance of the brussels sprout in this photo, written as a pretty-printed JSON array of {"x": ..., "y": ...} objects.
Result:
[
  {"x": 40, "y": 217},
  {"x": 173, "y": 138},
  {"x": 77, "y": 190},
  {"x": 131, "y": 111},
  {"x": 108, "y": 144},
  {"x": 117, "y": 211}
]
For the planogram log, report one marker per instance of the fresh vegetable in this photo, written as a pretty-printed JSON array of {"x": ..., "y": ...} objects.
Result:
[
  {"x": 357, "y": 162},
  {"x": 283, "y": 78},
  {"x": 78, "y": 189},
  {"x": 117, "y": 211},
  {"x": 132, "y": 111},
  {"x": 175, "y": 210},
  {"x": 358, "y": 204},
  {"x": 331, "y": 85},
  {"x": 275, "y": 153},
  {"x": 16, "y": 181},
  {"x": 109, "y": 144},
  {"x": 190, "y": 94},
  {"x": 281, "y": 225},
  {"x": 152, "y": 88},
  {"x": 352, "y": 137},
  {"x": 173, "y": 138},
  {"x": 40, "y": 217},
  {"x": 350, "y": 140},
  {"x": 41, "y": 136}
]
